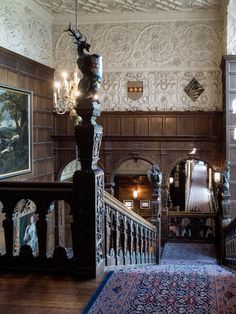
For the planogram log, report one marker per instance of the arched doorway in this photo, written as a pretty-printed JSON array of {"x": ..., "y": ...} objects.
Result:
[
  {"x": 132, "y": 186},
  {"x": 191, "y": 184}
]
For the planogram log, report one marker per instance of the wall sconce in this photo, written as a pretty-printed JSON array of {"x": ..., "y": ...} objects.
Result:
[
  {"x": 217, "y": 177},
  {"x": 135, "y": 193},
  {"x": 171, "y": 180},
  {"x": 234, "y": 105}
]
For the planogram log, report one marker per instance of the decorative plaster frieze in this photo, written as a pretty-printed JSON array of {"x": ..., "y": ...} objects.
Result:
[
  {"x": 162, "y": 91},
  {"x": 231, "y": 33},
  {"x": 165, "y": 56},
  {"x": 24, "y": 31},
  {"x": 143, "y": 45}
]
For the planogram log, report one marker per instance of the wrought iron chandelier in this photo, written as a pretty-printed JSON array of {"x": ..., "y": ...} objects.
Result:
[
  {"x": 65, "y": 94},
  {"x": 66, "y": 91}
]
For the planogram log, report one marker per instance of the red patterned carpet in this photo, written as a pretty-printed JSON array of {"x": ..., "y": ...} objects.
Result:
[{"x": 184, "y": 288}]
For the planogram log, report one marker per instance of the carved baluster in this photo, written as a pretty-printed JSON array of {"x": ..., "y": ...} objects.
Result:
[
  {"x": 113, "y": 249},
  {"x": 117, "y": 238},
  {"x": 121, "y": 240},
  {"x": 145, "y": 245},
  {"x": 128, "y": 243},
  {"x": 153, "y": 243},
  {"x": 148, "y": 246},
  {"x": 8, "y": 209},
  {"x": 139, "y": 245},
  {"x": 108, "y": 233},
  {"x": 41, "y": 226},
  {"x": 134, "y": 251},
  {"x": 125, "y": 236}
]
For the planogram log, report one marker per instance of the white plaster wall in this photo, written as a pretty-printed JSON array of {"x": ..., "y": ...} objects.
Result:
[
  {"x": 165, "y": 55},
  {"x": 26, "y": 29},
  {"x": 231, "y": 28}
]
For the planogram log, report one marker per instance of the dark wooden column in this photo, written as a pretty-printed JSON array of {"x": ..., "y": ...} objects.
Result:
[
  {"x": 228, "y": 66},
  {"x": 88, "y": 210},
  {"x": 155, "y": 177}
]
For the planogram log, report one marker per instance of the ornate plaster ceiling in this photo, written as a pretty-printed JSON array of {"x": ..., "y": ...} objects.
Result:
[{"x": 62, "y": 7}]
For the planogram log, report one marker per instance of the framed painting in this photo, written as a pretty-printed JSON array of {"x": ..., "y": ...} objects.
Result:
[
  {"x": 145, "y": 204},
  {"x": 128, "y": 203},
  {"x": 15, "y": 131}
]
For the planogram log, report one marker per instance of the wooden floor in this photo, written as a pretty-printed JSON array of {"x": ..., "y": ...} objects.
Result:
[{"x": 35, "y": 293}]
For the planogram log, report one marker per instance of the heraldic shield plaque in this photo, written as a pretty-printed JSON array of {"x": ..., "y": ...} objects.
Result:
[{"x": 135, "y": 89}]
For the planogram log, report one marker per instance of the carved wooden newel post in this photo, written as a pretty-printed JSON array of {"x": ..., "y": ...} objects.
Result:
[
  {"x": 225, "y": 204},
  {"x": 88, "y": 210},
  {"x": 155, "y": 177}
]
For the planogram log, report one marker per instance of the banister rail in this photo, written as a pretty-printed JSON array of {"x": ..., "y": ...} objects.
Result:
[
  {"x": 42, "y": 195},
  {"x": 130, "y": 238},
  {"x": 230, "y": 245},
  {"x": 195, "y": 225},
  {"x": 116, "y": 204}
]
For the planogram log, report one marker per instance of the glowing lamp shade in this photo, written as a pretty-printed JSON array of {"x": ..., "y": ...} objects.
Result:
[
  {"x": 217, "y": 177},
  {"x": 135, "y": 193},
  {"x": 171, "y": 180}
]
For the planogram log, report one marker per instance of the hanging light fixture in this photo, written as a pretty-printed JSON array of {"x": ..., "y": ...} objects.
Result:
[
  {"x": 66, "y": 91},
  {"x": 135, "y": 191}
]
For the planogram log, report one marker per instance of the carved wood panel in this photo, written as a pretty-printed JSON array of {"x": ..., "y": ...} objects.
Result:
[{"x": 20, "y": 72}]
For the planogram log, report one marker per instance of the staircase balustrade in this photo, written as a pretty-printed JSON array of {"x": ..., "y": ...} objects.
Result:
[
  {"x": 130, "y": 238},
  {"x": 230, "y": 245},
  {"x": 192, "y": 225}
]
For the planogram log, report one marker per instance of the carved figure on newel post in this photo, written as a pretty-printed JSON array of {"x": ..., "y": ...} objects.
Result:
[
  {"x": 226, "y": 202},
  {"x": 88, "y": 211},
  {"x": 155, "y": 177}
]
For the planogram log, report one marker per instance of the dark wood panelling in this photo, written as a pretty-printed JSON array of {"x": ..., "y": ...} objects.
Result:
[
  {"x": 128, "y": 125},
  {"x": 20, "y": 72},
  {"x": 142, "y": 125},
  {"x": 201, "y": 125},
  {"x": 170, "y": 125},
  {"x": 156, "y": 125},
  {"x": 185, "y": 126},
  {"x": 162, "y": 124},
  {"x": 114, "y": 125},
  {"x": 163, "y": 138},
  {"x": 229, "y": 93}
]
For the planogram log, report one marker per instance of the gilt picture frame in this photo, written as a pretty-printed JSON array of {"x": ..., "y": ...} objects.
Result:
[
  {"x": 128, "y": 203},
  {"x": 15, "y": 131},
  {"x": 144, "y": 204}
]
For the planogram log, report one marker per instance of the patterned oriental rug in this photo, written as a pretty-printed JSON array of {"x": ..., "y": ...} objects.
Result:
[{"x": 167, "y": 289}]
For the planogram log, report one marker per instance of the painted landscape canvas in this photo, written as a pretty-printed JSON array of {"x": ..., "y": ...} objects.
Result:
[{"x": 15, "y": 131}]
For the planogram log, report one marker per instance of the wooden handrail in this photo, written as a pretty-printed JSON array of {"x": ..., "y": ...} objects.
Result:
[
  {"x": 229, "y": 245},
  {"x": 115, "y": 203},
  {"x": 183, "y": 214},
  {"x": 230, "y": 226}
]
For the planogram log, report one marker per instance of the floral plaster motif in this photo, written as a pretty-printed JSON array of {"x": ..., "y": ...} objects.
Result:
[
  {"x": 162, "y": 91},
  {"x": 157, "y": 54},
  {"x": 145, "y": 45},
  {"x": 231, "y": 42},
  {"x": 23, "y": 31}
]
